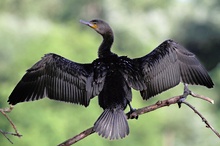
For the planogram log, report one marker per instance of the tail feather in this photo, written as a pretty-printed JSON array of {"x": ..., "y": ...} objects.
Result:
[{"x": 112, "y": 124}]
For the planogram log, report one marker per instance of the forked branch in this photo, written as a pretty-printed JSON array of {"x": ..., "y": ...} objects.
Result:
[
  {"x": 3, "y": 111},
  {"x": 144, "y": 110}
]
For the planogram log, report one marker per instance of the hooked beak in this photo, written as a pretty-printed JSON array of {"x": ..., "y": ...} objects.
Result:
[{"x": 94, "y": 26}]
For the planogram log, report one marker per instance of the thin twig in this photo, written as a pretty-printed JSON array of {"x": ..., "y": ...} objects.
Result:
[
  {"x": 202, "y": 117},
  {"x": 5, "y": 135},
  {"x": 8, "y": 110},
  {"x": 12, "y": 124},
  {"x": 10, "y": 121},
  {"x": 202, "y": 97}
]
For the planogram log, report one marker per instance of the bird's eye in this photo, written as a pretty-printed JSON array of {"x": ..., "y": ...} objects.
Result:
[{"x": 94, "y": 22}]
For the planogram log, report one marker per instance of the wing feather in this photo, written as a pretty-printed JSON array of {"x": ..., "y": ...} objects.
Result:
[
  {"x": 57, "y": 78},
  {"x": 132, "y": 74},
  {"x": 169, "y": 64}
]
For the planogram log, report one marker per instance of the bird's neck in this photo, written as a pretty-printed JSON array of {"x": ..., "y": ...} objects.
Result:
[{"x": 105, "y": 47}]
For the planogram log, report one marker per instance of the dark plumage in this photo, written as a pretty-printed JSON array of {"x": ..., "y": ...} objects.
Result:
[{"x": 111, "y": 78}]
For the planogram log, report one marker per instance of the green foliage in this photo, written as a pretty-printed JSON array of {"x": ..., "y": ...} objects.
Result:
[{"x": 30, "y": 29}]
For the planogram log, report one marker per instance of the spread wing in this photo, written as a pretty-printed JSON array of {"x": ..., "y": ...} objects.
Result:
[
  {"x": 57, "y": 78},
  {"x": 169, "y": 64}
]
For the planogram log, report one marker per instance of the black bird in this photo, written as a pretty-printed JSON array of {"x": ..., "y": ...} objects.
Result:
[{"x": 111, "y": 78}]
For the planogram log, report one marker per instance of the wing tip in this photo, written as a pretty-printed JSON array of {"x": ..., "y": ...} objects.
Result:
[
  {"x": 11, "y": 103},
  {"x": 210, "y": 84}
]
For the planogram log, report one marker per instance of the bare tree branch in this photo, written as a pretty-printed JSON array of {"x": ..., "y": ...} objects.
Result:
[
  {"x": 202, "y": 117},
  {"x": 129, "y": 115},
  {"x": 202, "y": 97},
  {"x": 78, "y": 137},
  {"x": 144, "y": 110},
  {"x": 5, "y": 135},
  {"x": 3, "y": 111},
  {"x": 158, "y": 104}
]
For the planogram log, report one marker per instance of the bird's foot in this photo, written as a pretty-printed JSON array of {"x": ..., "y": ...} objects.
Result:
[
  {"x": 132, "y": 114},
  {"x": 186, "y": 92}
]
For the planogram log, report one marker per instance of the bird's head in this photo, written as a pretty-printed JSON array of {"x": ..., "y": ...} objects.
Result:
[{"x": 99, "y": 26}]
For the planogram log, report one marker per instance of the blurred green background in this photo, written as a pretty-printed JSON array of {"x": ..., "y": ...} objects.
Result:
[{"x": 29, "y": 29}]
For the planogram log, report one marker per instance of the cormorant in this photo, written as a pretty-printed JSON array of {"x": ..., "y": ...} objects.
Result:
[{"x": 110, "y": 77}]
